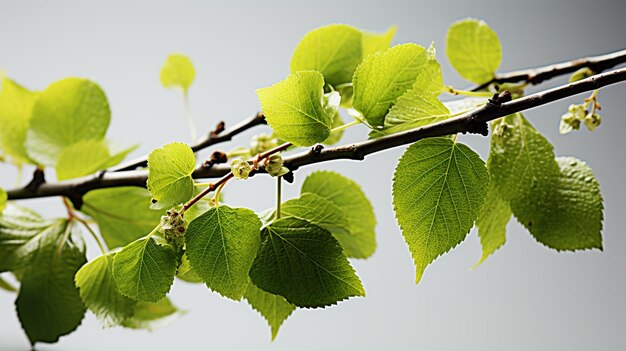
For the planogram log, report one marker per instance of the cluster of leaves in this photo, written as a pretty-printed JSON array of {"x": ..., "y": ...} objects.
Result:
[{"x": 296, "y": 256}]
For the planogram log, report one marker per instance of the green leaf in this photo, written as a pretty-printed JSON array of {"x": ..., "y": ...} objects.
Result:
[
  {"x": 460, "y": 106},
  {"x": 274, "y": 308},
  {"x": 169, "y": 175},
  {"x": 334, "y": 50},
  {"x": 48, "y": 304},
  {"x": 151, "y": 315},
  {"x": 558, "y": 201},
  {"x": 439, "y": 187},
  {"x": 570, "y": 217},
  {"x": 122, "y": 214},
  {"x": 3, "y": 200},
  {"x": 68, "y": 111},
  {"x": 185, "y": 272},
  {"x": 144, "y": 269},
  {"x": 303, "y": 263},
  {"x": 16, "y": 104},
  {"x": 491, "y": 223},
  {"x": 414, "y": 109},
  {"x": 374, "y": 42},
  {"x": 177, "y": 71},
  {"x": 22, "y": 233},
  {"x": 323, "y": 213},
  {"x": 294, "y": 109},
  {"x": 473, "y": 50},
  {"x": 348, "y": 196},
  {"x": 335, "y": 137},
  {"x": 87, "y": 157},
  {"x": 100, "y": 294},
  {"x": 383, "y": 77},
  {"x": 221, "y": 246}
]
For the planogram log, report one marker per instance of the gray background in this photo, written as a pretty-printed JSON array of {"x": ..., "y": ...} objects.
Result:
[{"x": 524, "y": 297}]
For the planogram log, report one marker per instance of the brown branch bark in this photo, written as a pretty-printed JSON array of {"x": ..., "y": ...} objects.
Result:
[{"x": 472, "y": 122}]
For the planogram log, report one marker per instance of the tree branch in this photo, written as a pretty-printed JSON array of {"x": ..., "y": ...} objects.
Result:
[
  {"x": 597, "y": 64},
  {"x": 471, "y": 122},
  {"x": 216, "y": 136}
]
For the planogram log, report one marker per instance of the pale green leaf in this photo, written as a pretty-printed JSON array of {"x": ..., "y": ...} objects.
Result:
[
  {"x": 22, "y": 233},
  {"x": 374, "y": 42},
  {"x": 305, "y": 264},
  {"x": 491, "y": 223},
  {"x": 460, "y": 106},
  {"x": 100, "y": 294},
  {"x": 383, "y": 77},
  {"x": 348, "y": 196},
  {"x": 169, "y": 175},
  {"x": 570, "y": 217},
  {"x": 177, "y": 71},
  {"x": 221, "y": 246},
  {"x": 335, "y": 137},
  {"x": 334, "y": 50},
  {"x": 144, "y": 269},
  {"x": 152, "y": 315},
  {"x": 68, "y": 111},
  {"x": 414, "y": 109},
  {"x": 473, "y": 50},
  {"x": 439, "y": 187},
  {"x": 122, "y": 214},
  {"x": 274, "y": 308},
  {"x": 48, "y": 304},
  {"x": 16, "y": 105},
  {"x": 294, "y": 108},
  {"x": 558, "y": 202},
  {"x": 87, "y": 157}
]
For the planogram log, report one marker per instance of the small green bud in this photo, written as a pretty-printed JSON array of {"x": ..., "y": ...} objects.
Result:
[
  {"x": 274, "y": 166},
  {"x": 240, "y": 168},
  {"x": 592, "y": 121},
  {"x": 582, "y": 73},
  {"x": 569, "y": 122},
  {"x": 578, "y": 111},
  {"x": 173, "y": 227},
  {"x": 261, "y": 143}
]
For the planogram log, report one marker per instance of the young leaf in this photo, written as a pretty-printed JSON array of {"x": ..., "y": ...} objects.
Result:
[
  {"x": 305, "y": 264},
  {"x": 274, "y": 308},
  {"x": 334, "y": 51},
  {"x": 570, "y": 216},
  {"x": 374, "y": 42},
  {"x": 523, "y": 169},
  {"x": 439, "y": 187},
  {"x": 144, "y": 269},
  {"x": 16, "y": 104},
  {"x": 122, "y": 214},
  {"x": 3, "y": 200},
  {"x": 491, "y": 222},
  {"x": 22, "y": 233},
  {"x": 67, "y": 112},
  {"x": 86, "y": 157},
  {"x": 221, "y": 246},
  {"x": 293, "y": 108},
  {"x": 473, "y": 50},
  {"x": 100, "y": 294},
  {"x": 169, "y": 175},
  {"x": 48, "y": 304},
  {"x": 348, "y": 196},
  {"x": 151, "y": 315},
  {"x": 383, "y": 77},
  {"x": 177, "y": 71}
]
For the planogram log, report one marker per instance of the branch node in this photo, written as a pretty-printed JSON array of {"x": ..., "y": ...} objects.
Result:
[
  {"x": 317, "y": 149},
  {"x": 76, "y": 199},
  {"x": 288, "y": 177},
  {"x": 217, "y": 130},
  {"x": 38, "y": 178}
]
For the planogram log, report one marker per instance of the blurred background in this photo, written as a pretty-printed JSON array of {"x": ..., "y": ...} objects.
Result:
[{"x": 523, "y": 297}]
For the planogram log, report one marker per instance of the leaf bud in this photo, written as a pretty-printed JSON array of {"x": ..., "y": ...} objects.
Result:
[
  {"x": 240, "y": 168},
  {"x": 582, "y": 73},
  {"x": 331, "y": 103}
]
